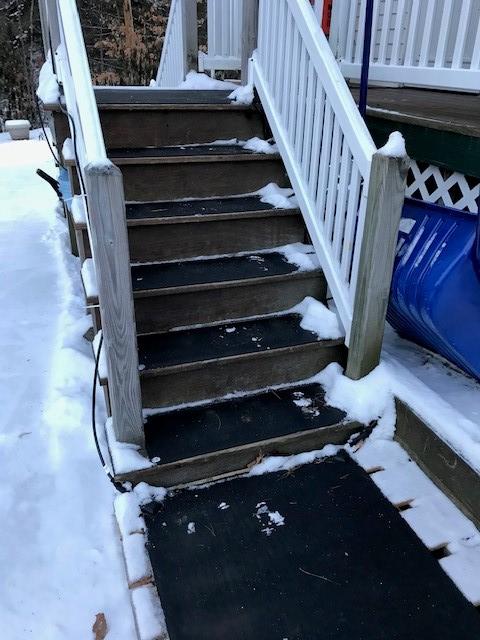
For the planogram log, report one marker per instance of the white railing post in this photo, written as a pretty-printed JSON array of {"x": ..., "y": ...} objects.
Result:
[
  {"x": 108, "y": 234},
  {"x": 249, "y": 34},
  {"x": 386, "y": 195},
  {"x": 54, "y": 28},
  {"x": 190, "y": 34}
]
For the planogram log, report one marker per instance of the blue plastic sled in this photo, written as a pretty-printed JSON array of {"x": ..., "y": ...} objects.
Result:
[{"x": 435, "y": 295}]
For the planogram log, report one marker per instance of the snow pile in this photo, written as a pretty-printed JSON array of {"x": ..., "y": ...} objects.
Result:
[
  {"x": 257, "y": 145},
  {"x": 395, "y": 146},
  {"x": 125, "y": 456},
  {"x": 319, "y": 319},
  {"x": 272, "y": 464},
  {"x": 278, "y": 197},
  {"x": 301, "y": 255},
  {"x": 243, "y": 95},
  {"x": 48, "y": 90},
  {"x": 56, "y": 509},
  {"x": 68, "y": 151},
  {"x": 367, "y": 400},
  {"x": 200, "y": 81}
]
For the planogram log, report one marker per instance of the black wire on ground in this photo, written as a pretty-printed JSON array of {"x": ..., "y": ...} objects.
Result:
[
  {"x": 51, "y": 181},
  {"x": 119, "y": 487}
]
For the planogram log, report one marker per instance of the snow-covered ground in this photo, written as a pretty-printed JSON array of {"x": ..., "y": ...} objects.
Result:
[{"x": 60, "y": 555}]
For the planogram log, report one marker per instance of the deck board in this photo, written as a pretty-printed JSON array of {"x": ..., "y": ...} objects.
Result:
[
  {"x": 446, "y": 111},
  {"x": 343, "y": 566}
]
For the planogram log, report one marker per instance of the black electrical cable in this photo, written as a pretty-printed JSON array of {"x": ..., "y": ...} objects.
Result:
[
  {"x": 39, "y": 113},
  {"x": 74, "y": 136},
  {"x": 119, "y": 487}
]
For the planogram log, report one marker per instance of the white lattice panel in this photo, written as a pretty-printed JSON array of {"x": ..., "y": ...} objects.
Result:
[{"x": 443, "y": 187}]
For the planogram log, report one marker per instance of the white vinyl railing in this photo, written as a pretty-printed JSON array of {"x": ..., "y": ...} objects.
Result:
[
  {"x": 224, "y": 27},
  {"x": 171, "y": 71},
  {"x": 101, "y": 190},
  {"x": 324, "y": 142},
  {"x": 429, "y": 43}
]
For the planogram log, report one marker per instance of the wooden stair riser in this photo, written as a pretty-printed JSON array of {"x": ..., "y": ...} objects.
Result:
[
  {"x": 182, "y": 240},
  {"x": 200, "y": 179},
  {"x": 238, "y": 459},
  {"x": 216, "y": 378},
  {"x": 163, "y": 128},
  {"x": 225, "y": 301},
  {"x": 178, "y": 241},
  {"x": 127, "y": 128}
]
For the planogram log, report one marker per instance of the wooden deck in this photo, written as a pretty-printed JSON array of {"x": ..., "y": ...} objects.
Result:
[{"x": 440, "y": 128}]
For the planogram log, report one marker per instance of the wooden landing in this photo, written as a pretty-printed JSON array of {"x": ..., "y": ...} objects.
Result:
[
  {"x": 441, "y": 128},
  {"x": 314, "y": 553}
]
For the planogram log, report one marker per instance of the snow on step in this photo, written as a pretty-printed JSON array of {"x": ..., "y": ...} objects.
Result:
[
  {"x": 463, "y": 567},
  {"x": 378, "y": 455},
  {"x": 438, "y": 522},
  {"x": 89, "y": 279},
  {"x": 401, "y": 484},
  {"x": 148, "y": 613},
  {"x": 78, "y": 211}
]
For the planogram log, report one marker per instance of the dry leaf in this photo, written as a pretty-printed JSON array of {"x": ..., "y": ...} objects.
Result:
[{"x": 100, "y": 627}]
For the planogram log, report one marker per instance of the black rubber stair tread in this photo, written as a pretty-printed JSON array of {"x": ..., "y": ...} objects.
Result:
[
  {"x": 317, "y": 553},
  {"x": 196, "y": 150},
  {"x": 158, "y": 351},
  {"x": 199, "y": 207},
  {"x": 210, "y": 270},
  {"x": 128, "y": 96},
  {"x": 186, "y": 433}
]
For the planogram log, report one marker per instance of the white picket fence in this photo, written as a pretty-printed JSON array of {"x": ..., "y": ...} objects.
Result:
[
  {"x": 429, "y": 43},
  {"x": 324, "y": 142},
  {"x": 171, "y": 70},
  {"x": 224, "y": 27}
]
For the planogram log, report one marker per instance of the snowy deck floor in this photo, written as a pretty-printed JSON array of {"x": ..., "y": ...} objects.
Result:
[{"x": 313, "y": 553}]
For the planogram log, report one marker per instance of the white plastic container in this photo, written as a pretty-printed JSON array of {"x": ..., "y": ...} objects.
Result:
[{"x": 18, "y": 129}]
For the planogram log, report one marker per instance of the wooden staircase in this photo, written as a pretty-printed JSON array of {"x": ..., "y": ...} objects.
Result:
[{"x": 212, "y": 287}]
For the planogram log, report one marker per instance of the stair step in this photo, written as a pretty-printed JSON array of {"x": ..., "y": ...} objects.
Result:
[
  {"x": 198, "y": 171},
  {"x": 203, "y": 442},
  {"x": 193, "y": 292},
  {"x": 131, "y": 97},
  {"x": 198, "y": 364},
  {"x": 212, "y": 226}
]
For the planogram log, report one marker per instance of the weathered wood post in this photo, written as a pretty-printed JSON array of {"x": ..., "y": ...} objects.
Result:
[
  {"x": 108, "y": 231},
  {"x": 190, "y": 34},
  {"x": 249, "y": 34},
  {"x": 386, "y": 194}
]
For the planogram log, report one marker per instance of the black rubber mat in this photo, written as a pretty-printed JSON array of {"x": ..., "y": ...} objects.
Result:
[
  {"x": 186, "y": 433},
  {"x": 208, "y": 206},
  {"x": 191, "y": 272},
  {"x": 212, "y": 342},
  {"x": 159, "y": 96},
  {"x": 313, "y": 554},
  {"x": 182, "y": 151}
]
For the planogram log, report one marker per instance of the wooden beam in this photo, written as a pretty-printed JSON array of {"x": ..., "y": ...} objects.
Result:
[
  {"x": 190, "y": 33},
  {"x": 249, "y": 34},
  {"x": 386, "y": 194},
  {"x": 108, "y": 230}
]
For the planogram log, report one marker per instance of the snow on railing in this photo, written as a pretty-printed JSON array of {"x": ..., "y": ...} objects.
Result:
[
  {"x": 430, "y": 43},
  {"x": 324, "y": 142},
  {"x": 224, "y": 27}
]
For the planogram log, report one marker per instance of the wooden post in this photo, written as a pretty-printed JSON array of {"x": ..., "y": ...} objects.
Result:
[
  {"x": 386, "y": 195},
  {"x": 190, "y": 34},
  {"x": 249, "y": 34},
  {"x": 108, "y": 231}
]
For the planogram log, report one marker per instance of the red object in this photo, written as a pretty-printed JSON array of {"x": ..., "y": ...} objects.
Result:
[{"x": 326, "y": 15}]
